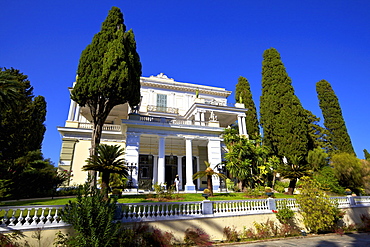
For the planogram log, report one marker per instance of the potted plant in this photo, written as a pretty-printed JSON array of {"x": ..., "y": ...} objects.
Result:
[
  {"x": 206, "y": 193},
  {"x": 268, "y": 191}
]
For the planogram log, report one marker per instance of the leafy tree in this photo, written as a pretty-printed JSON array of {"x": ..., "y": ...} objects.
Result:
[
  {"x": 318, "y": 212},
  {"x": 92, "y": 218},
  {"x": 348, "y": 170},
  {"x": 21, "y": 134},
  {"x": 317, "y": 159},
  {"x": 333, "y": 119},
  {"x": 328, "y": 181},
  {"x": 21, "y": 126},
  {"x": 367, "y": 155},
  {"x": 294, "y": 168},
  {"x": 209, "y": 173},
  {"x": 246, "y": 160},
  {"x": 243, "y": 95},
  {"x": 283, "y": 119},
  {"x": 318, "y": 136},
  {"x": 107, "y": 159},
  {"x": 109, "y": 73},
  {"x": 8, "y": 91}
]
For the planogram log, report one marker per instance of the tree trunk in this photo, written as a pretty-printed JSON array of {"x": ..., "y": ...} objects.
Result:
[
  {"x": 95, "y": 141},
  {"x": 209, "y": 184},
  {"x": 105, "y": 185},
  {"x": 292, "y": 184}
]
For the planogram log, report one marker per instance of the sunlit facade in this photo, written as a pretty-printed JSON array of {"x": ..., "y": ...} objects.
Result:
[{"x": 177, "y": 128}]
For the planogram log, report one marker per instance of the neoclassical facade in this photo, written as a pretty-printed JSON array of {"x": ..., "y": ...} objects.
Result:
[{"x": 177, "y": 128}]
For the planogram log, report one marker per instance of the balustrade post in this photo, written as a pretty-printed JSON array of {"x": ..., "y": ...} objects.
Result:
[
  {"x": 271, "y": 203},
  {"x": 207, "y": 207},
  {"x": 351, "y": 200}
]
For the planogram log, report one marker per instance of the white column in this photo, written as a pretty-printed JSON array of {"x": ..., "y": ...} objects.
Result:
[
  {"x": 240, "y": 125},
  {"x": 244, "y": 126},
  {"x": 179, "y": 171},
  {"x": 197, "y": 118},
  {"x": 161, "y": 160},
  {"x": 72, "y": 109},
  {"x": 202, "y": 118},
  {"x": 155, "y": 169},
  {"x": 189, "y": 186},
  {"x": 214, "y": 158},
  {"x": 132, "y": 154},
  {"x": 77, "y": 113}
]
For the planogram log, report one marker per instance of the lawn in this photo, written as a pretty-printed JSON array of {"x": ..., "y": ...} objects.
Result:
[{"x": 139, "y": 198}]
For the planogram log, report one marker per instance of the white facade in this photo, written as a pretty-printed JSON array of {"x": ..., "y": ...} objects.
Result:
[{"x": 178, "y": 128}]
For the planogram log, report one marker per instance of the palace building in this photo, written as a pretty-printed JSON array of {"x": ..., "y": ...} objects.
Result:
[{"x": 176, "y": 128}]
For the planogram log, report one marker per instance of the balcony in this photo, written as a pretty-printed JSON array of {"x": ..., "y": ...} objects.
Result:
[
  {"x": 106, "y": 127},
  {"x": 154, "y": 108}
]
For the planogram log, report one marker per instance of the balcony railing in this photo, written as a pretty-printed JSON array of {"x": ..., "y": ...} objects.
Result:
[
  {"x": 154, "y": 108},
  {"x": 106, "y": 127}
]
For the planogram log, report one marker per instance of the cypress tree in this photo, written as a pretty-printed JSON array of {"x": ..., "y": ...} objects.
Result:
[
  {"x": 243, "y": 95},
  {"x": 109, "y": 73},
  {"x": 283, "y": 119},
  {"x": 367, "y": 155},
  {"x": 333, "y": 119}
]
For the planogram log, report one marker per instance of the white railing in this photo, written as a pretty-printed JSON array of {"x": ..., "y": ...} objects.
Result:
[
  {"x": 23, "y": 217},
  {"x": 240, "y": 207},
  {"x": 106, "y": 127},
  {"x": 167, "y": 210},
  {"x": 33, "y": 217}
]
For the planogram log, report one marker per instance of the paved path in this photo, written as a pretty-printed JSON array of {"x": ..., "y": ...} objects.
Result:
[{"x": 330, "y": 240}]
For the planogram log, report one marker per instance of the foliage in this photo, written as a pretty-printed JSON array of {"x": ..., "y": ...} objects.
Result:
[
  {"x": 283, "y": 119},
  {"x": 317, "y": 159},
  {"x": 21, "y": 133},
  {"x": 243, "y": 95},
  {"x": 22, "y": 125},
  {"x": 294, "y": 168},
  {"x": 367, "y": 155},
  {"x": 109, "y": 73},
  {"x": 197, "y": 236},
  {"x": 333, "y": 119},
  {"x": 280, "y": 186},
  {"x": 209, "y": 173},
  {"x": 231, "y": 234},
  {"x": 348, "y": 170},
  {"x": 284, "y": 214},
  {"x": 328, "y": 180},
  {"x": 107, "y": 159},
  {"x": 267, "y": 230},
  {"x": 31, "y": 176},
  {"x": 142, "y": 235},
  {"x": 318, "y": 136},
  {"x": 12, "y": 239},
  {"x": 246, "y": 160},
  {"x": 163, "y": 193},
  {"x": 92, "y": 218},
  {"x": 318, "y": 212}
]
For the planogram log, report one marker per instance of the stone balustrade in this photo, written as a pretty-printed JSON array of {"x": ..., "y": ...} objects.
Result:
[{"x": 34, "y": 217}]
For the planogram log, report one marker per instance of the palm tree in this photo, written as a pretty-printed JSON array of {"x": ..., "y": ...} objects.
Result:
[
  {"x": 108, "y": 159},
  {"x": 293, "y": 168},
  {"x": 209, "y": 173}
]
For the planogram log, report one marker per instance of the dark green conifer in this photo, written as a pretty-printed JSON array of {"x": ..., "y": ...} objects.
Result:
[
  {"x": 333, "y": 119},
  {"x": 243, "y": 95},
  {"x": 367, "y": 155},
  {"x": 283, "y": 119},
  {"x": 108, "y": 73}
]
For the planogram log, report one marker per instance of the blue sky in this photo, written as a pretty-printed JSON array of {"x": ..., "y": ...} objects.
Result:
[{"x": 206, "y": 42}]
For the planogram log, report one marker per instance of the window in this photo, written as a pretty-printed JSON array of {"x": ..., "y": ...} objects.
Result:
[{"x": 161, "y": 102}]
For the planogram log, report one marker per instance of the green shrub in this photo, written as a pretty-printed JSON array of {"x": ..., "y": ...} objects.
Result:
[
  {"x": 284, "y": 214},
  {"x": 231, "y": 234},
  {"x": 92, "y": 218},
  {"x": 196, "y": 236},
  {"x": 318, "y": 212}
]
